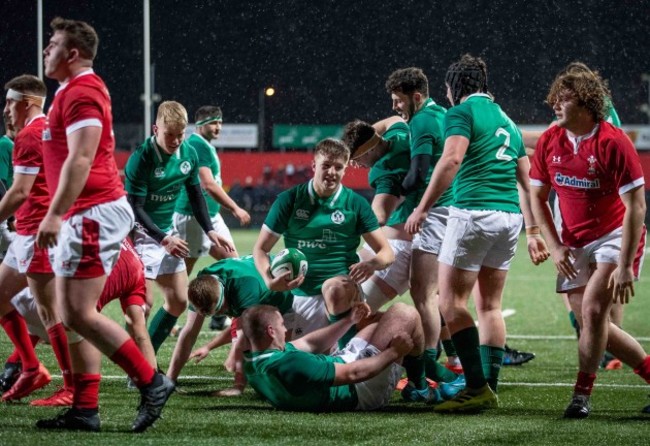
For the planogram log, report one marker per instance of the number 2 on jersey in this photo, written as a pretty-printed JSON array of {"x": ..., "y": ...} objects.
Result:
[{"x": 501, "y": 153}]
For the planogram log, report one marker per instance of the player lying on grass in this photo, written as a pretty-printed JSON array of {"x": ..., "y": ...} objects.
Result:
[{"x": 296, "y": 376}]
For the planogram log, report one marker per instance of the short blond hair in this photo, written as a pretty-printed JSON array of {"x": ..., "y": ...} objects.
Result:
[{"x": 172, "y": 113}]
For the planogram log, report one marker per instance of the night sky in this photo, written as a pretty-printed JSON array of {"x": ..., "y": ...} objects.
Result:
[{"x": 328, "y": 60}]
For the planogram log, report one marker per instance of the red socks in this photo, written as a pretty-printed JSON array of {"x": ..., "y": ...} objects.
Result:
[
  {"x": 133, "y": 362},
  {"x": 643, "y": 369},
  {"x": 584, "y": 383},
  {"x": 16, "y": 328},
  {"x": 59, "y": 341},
  {"x": 86, "y": 390}
]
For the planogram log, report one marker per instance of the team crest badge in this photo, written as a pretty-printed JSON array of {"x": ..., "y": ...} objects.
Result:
[
  {"x": 592, "y": 165},
  {"x": 186, "y": 167},
  {"x": 159, "y": 172},
  {"x": 338, "y": 217}
]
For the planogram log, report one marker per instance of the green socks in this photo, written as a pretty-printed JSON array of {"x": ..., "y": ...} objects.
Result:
[
  {"x": 343, "y": 341},
  {"x": 449, "y": 347},
  {"x": 414, "y": 366},
  {"x": 492, "y": 359},
  {"x": 434, "y": 369},
  {"x": 160, "y": 327},
  {"x": 574, "y": 323},
  {"x": 467, "y": 345}
]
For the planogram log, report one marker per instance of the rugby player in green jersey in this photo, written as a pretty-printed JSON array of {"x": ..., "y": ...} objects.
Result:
[
  {"x": 227, "y": 287},
  {"x": 384, "y": 147},
  {"x": 6, "y": 178},
  {"x": 208, "y": 120},
  {"x": 409, "y": 90},
  {"x": 325, "y": 220},
  {"x": 155, "y": 174},
  {"x": 208, "y": 125},
  {"x": 485, "y": 158},
  {"x": 297, "y": 376}
]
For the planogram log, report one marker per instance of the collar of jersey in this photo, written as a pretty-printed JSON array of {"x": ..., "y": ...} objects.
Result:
[
  {"x": 428, "y": 103},
  {"x": 256, "y": 356},
  {"x": 64, "y": 85},
  {"x": 34, "y": 119},
  {"x": 204, "y": 140},
  {"x": 159, "y": 151},
  {"x": 478, "y": 95},
  {"x": 576, "y": 141},
  {"x": 331, "y": 200}
]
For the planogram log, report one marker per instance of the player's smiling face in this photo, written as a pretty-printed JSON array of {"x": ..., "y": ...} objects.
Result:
[
  {"x": 403, "y": 105},
  {"x": 328, "y": 173},
  {"x": 169, "y": 137}
]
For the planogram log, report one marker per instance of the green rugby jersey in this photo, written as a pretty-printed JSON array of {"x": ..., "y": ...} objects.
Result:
[
  {"x": 426, "y": 126},
  {"x": 487, "y": 179},
  {"x": 160, "y": 177},
  {"x": 6, "y": 164},
  {"x": 207, "y": 158},
  {"x": 243, "y": 286},
  {"x": 611, "y": 115},
  {"x": 298, "y": 381},
  {"x": 326, "y": 230},
  {"x": 388, "y": 172}
]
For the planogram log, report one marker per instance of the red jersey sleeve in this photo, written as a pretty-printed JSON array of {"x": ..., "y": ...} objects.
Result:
[
  {"x": 538, "y": 169},
  {"x": 623, "y": 162},
  {"x": 83, "y": 108},
  {"x": 28, "y": 157}
]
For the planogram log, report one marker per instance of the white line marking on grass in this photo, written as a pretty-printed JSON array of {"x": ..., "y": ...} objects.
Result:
[
  {"x": 613, "y": 386},
  {"x": 501, "y": 383},
  {"x": 562, "y": 337}
]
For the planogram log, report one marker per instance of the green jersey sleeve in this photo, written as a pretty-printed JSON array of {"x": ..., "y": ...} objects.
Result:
[
  {"x": 458, "y": 122},
  {"x": 136, "y": 173},
  {"x": 279, "y": 215},
  {"x": 423, "y": 138},
  {"x": 367, "y": 221}
]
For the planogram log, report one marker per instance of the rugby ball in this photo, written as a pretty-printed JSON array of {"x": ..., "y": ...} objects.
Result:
[{"x": 290, "y": 260}]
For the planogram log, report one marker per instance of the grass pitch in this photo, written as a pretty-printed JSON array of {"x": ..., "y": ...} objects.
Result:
[{"x": 532, "y": 397}]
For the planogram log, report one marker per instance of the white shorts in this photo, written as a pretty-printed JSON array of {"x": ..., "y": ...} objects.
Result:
[
  {"x": 397, "y": 275},
  {"x": 309, "y": 314},
  {"x": 187, "y": 228},
  {"x": 376, "y": 392},
  {"x": 429, "y": 239},
  {"x": 480, "y": 238},
  {"x": 26, "y": 305},
  {"x": 25, "y": 257},
  {"x": 6, "y": 237},
  {"x": 604, "y": 250},
  {"x": 157, "y": 261},
  {"x": 90, "y": 241}
]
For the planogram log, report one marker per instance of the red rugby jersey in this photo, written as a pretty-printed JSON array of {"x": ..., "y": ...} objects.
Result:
[
  {"x": 28, "y": 160},
  {"x": 82, "y": 102},
  {"x": 589, "y": 175}
]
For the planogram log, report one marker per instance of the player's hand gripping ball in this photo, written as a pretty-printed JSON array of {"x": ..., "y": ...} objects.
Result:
[{"x": 290, "y": 260}]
